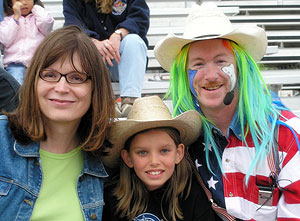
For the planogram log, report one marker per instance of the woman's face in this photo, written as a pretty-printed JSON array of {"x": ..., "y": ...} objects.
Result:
[
  {"x": 26, "y": 6},
  {"x": 61, "y": 101},
  {"x": 153, "y": 154}
]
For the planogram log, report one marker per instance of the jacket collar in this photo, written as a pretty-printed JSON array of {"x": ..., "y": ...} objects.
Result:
[
  {"x": 30, "y": 150},
  {"x": 92, "y": 164}
]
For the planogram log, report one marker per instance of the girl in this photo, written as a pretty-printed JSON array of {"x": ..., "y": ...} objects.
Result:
[
  {"x": 24, "y": 27},
  {"x": 155, "y": 179}
]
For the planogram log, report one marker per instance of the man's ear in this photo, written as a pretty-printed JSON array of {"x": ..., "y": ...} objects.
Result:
[
  {"x": 126, "y": 158},
  {"x": 180, "y": 153}
]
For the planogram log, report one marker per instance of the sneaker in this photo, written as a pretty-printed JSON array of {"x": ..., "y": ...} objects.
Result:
[
  {"x": 118, "y": 111},
  {"x": 126, "y": 105},
  {"x": 126, "y": 109}
]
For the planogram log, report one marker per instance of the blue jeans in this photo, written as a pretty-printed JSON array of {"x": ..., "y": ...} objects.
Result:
[
  {"x": 1, "y": 10},
  {"x": 17, "y": 70},
  {"x": 132, "y": 67}
]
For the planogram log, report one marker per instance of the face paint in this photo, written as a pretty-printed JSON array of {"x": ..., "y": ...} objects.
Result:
[
  {"x": 229, "y": 70},
  {"x": 192, "y": 74}
]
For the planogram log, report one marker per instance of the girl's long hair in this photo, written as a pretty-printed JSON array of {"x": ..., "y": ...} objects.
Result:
[
  {"x": 133, "y": 196},
  {"x": 256, "y": 112}
]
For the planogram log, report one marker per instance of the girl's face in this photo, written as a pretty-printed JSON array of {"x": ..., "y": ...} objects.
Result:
[
  {"x": 26, "y": 6},
  {"x": 61, "y": 101},
  {"x": 153, "y": 155}
]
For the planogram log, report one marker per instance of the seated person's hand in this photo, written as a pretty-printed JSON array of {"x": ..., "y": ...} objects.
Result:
[
  {"x": 109, "y": 50},
  {"x": 17, "y": 10}
]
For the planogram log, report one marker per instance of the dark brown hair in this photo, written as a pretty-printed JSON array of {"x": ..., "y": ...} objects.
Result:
[
  {"x": 8, "y": 7},
  {"x": 27, "y": 122}
]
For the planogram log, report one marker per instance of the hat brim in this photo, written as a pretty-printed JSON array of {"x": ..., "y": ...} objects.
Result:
[
  {"x": 188, "y": 125},
  {"x": 253, "y": 39}
]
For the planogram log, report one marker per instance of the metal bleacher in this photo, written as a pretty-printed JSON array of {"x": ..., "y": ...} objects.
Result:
[{"x": 280, "y": 19}]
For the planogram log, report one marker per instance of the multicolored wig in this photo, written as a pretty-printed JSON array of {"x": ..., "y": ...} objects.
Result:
[{"x": 257, "y": 114}]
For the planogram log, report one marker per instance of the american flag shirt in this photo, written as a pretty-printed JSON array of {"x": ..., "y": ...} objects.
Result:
[
  {"x": 213, "y": 181},
  {"x": 241, "y": 201}
]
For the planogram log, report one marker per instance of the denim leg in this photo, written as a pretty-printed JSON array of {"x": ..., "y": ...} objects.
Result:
[
  {"x": 132, "y": 66},
  {"x": 17, "y": 71},
  {"x": 113, "y": 71},
  {"x": 1, "y": 10}
]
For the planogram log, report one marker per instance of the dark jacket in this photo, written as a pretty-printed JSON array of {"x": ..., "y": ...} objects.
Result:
[
  {"x": 132, "y": 15},
  {"x": 195, "y": 207},
  {"x": 9, "y": 87}
]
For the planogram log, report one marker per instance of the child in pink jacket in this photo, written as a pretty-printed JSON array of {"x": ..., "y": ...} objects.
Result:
[{"x": 24, "y": 27}]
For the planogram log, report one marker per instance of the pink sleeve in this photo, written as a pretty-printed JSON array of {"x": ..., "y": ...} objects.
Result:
[
  {"x": 8, "y": 31},
  {"x": 44, "y": 21}
]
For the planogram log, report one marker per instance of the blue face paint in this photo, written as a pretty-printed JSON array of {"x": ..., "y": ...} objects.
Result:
[{"x": 192, "y": 74}]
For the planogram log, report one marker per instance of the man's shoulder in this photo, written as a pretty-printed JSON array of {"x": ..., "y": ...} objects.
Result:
[
  {"x": 287, "y": 114},
  {"x": 290, "y": 119}
]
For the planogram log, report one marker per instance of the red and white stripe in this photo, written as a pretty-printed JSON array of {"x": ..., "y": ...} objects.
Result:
[{"x": 241, "y": 200}]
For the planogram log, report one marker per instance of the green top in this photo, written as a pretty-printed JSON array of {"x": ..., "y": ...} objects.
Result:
[{"x": 58, "y": 199}]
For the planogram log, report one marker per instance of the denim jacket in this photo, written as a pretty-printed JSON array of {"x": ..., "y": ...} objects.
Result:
[{"x": 21, "y": 179}]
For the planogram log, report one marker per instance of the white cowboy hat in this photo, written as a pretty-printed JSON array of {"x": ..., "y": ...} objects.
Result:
[
  {"x": 209, "y": 22},
  {"x": 146, "y": 113}
]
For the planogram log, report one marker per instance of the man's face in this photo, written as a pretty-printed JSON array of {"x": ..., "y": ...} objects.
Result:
[{"x": 210, "y": 83}]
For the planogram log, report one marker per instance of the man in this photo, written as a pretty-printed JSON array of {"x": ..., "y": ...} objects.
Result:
[
  {"x": 248, "y": 153},
  {"x": 8, "y": 91}
]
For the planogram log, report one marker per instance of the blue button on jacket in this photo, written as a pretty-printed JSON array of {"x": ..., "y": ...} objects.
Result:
[{"x": 21, "y": 179}]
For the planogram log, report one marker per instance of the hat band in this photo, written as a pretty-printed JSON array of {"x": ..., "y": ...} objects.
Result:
[
  {"x": 202, "y": 36},
  {"x": 205, "y": 36}
]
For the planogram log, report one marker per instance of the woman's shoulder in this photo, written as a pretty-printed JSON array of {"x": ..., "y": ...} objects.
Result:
[
  {"x": 3, "y": 123},
  {"x": 6, "y": 136}
]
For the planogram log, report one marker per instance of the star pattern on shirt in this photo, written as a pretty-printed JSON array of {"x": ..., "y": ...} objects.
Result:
[
  {"x": 197, "y": 164},
  {"x": 212, "y": 183},
  {"x": 207, "y": 148}
]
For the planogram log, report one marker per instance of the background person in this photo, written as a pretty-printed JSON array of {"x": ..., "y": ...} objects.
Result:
[
  {"x": 118, "y": 29},
  {"x": 248, "y": 154},
  {"x": 25, "y": 25},
  {"x": 155, "y": 181},
  {"x": 9, "y": 88},
  {"x": 1, "y": 10},
  {"x": 48, "y": 169}
]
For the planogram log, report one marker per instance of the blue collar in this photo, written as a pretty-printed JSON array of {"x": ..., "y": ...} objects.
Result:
[{"x": 234, "y": 126}]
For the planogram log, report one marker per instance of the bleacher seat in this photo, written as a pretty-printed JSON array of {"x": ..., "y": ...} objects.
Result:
[{"x": 280, "y": 19}]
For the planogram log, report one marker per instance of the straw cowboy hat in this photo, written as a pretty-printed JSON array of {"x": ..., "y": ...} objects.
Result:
[
  {"x": 209, "y": 22},
  {"x": 146, "y": 113}
]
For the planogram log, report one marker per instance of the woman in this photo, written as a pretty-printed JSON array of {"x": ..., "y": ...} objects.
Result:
[
  {"x": 65, "y": 107},
  {"x": 118, "y": 28}
]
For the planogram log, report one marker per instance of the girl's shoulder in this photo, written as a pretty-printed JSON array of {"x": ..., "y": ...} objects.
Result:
[{"x": 196, "y": 206}]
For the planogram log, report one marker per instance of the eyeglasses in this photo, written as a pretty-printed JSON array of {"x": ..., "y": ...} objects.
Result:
[{"x": 50, "y": 75}]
